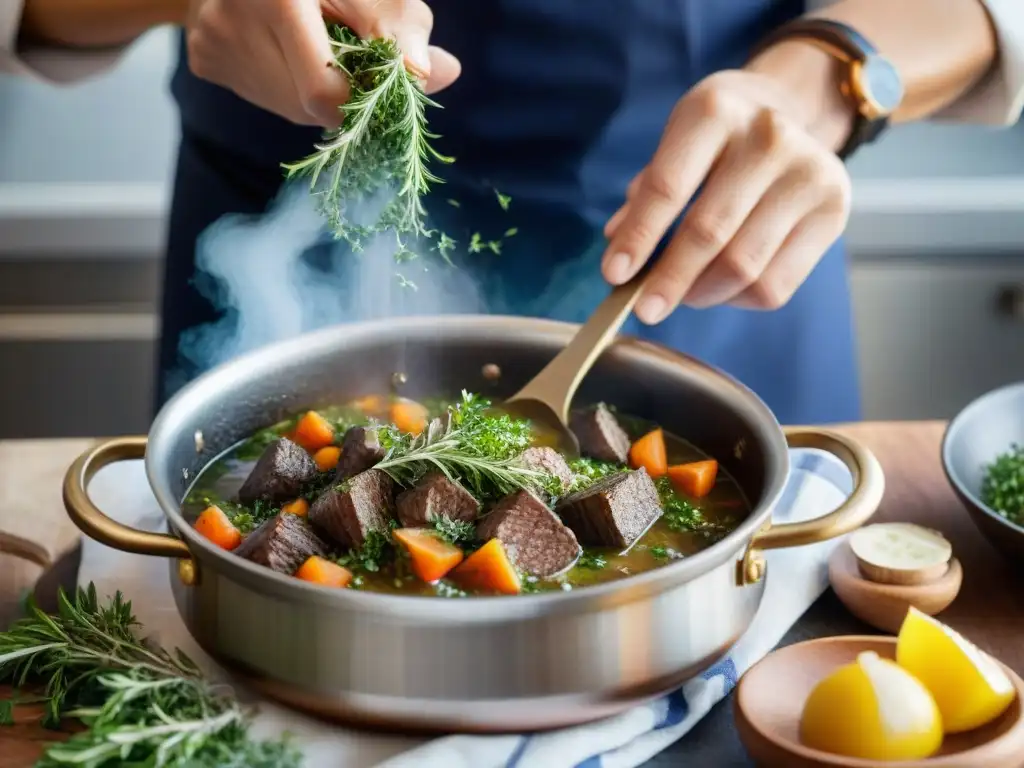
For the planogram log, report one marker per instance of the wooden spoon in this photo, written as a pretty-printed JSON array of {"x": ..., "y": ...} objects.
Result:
[{"x": 546, "y": 399}]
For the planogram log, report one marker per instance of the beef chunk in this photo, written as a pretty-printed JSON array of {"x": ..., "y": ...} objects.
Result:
[
  {"x": 432, "y": 497},
  {"x": 360, "y": 450},
  {"x": 283, "y": 543},
  {"x": 349, "y": 511},
  {"x": 550, "y": 461},
  {"x": 614, "y": 511},
  {"x": 534, "y": 537},
  {"x": 600, "y": 434},
  {"x": 279, "y": 474}
]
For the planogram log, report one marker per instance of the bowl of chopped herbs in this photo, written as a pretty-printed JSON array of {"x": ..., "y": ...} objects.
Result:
[{"x": 983, "y": 457}]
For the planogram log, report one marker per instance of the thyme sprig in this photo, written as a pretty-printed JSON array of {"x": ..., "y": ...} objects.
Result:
[
  {"x": 140, "y": 704},
  {"x": 382, "y": 149},
  {"x": 472, "y": 446}
]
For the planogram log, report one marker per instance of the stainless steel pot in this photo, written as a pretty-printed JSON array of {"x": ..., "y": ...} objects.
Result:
[{"x": 484, "y": 664}]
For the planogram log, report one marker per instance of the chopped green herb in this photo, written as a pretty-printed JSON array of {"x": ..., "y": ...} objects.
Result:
[
  {"x": 444, "y": 589},
  {"x": 476, "y": 243},
  {"x": 1002, "y": 487},
  {"x": 454, "y": 203},
  {"x": 454, "y": 531},
  {"x": 592, "y": 561},
  {"x": 511, "y": 232},
  {"x": 680, "y": 514},
  {"x": 586, "y": 472},
  {"x": 659, "y": 553},
  {"x": 503, "y": 200},
  {"x": 376, "y": 550}
]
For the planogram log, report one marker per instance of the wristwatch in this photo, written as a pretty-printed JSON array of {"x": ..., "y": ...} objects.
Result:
[{"x": 871, "y": 81}]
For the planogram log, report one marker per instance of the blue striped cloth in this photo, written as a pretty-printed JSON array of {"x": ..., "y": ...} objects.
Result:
[{"x": 817, "y": 484}]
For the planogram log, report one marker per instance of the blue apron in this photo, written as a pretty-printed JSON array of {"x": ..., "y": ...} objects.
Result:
[{"x": 558, "y": 107}]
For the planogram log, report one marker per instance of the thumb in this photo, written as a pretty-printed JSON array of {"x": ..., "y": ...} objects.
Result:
[{"x": 407, "y": 22}]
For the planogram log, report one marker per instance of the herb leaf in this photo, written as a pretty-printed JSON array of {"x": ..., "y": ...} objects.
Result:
[
  {"x": 454, "y": 531},
  {"x": 1002, "y": 487},
  {"x": 140, "y": 704}
]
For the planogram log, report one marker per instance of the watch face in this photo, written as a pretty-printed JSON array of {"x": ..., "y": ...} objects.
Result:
[{"x": 881, "y": 84}]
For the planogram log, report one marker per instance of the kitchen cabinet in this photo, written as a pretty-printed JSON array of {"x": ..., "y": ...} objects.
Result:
[{"x": 936, "y": 332}]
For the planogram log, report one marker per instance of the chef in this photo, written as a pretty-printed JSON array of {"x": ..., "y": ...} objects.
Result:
[{"x": 706, "y": 135}]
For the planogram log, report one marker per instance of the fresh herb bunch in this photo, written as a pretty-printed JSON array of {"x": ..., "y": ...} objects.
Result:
[
  {"x": 382, "y": 148},
  {"x": 1002, "y": 487},
  {"x": 140, "y": 704},
  {"x": 474, "y": 447},
  {"x": 377, "y": 550}
]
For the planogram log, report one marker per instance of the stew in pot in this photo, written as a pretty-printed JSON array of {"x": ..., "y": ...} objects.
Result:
[{"x": 390, "y": 495}]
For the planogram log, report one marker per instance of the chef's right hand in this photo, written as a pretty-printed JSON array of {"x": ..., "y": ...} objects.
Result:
[{"x": 276, "y": 53}]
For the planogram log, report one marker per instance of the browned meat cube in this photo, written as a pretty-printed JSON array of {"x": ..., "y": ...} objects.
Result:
[
  {"x": 534, "y": 537},
  {"x": 360, "y": 450},
  {"x": 347, "y": 512},
  {"x": 279, "y": 475},
  {"x": 613, "y": 512},
  {"x": 433, "y": 497},
  {"x": 283, "y": 543},
  {"x": 549, "y": 461},
  {"x": 600, "y": 434}
]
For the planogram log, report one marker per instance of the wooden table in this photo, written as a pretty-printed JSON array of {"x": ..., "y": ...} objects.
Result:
[{"x": 989, "y": 610}]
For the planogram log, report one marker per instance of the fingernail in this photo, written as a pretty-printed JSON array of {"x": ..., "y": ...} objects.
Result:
[
  {"x": 418, "y": 62},
  {"x": 651, "y": 309},
  {"x": 616, "y": 268}
]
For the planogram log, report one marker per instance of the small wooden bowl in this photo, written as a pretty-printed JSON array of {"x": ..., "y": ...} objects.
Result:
[
  {"x": 884, "y": 606},
  {"x": 770, "y": 698}
]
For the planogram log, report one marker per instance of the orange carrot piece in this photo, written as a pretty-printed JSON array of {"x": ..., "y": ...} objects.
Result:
[
  {"x": 218, "y": 528},
  {"x": 320, "y": 571},
  {"x": 327, "y": 457},
  {"x": 430, "y": 556},
  {"x": 409, "y": 416},
  {"x": 649, "y": 452},
  {"x": 488, "y": 569},
  {"x": 695, "y": 479},
  {"x": 298, "y": 507},
  {"x": 371, "y": 405},
  {"x": 313, "y": 432}
]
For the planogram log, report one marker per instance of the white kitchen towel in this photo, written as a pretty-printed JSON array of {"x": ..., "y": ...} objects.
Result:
[{"x": 797, "y": 577}]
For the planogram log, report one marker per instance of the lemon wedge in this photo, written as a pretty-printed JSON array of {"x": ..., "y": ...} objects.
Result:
[
  {"x": 874, "y": 710},
  {"x": 970, "y": 688}
]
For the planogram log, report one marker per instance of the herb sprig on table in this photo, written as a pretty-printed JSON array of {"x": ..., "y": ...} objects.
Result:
[
  {"x": 140, "y": 705},
  {"x": 1002, "y": 487}
]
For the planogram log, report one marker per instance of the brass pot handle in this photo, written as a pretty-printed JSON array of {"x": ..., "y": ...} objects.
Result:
[
  {"x": 868, "y": 488},
  {"x": 91, "y": 520}
]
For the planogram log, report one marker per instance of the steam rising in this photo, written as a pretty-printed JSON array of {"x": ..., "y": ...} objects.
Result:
[{"x": 279, "y": 275}]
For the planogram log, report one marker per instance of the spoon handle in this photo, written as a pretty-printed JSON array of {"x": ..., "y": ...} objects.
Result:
[{"x": 557, "y": 383}]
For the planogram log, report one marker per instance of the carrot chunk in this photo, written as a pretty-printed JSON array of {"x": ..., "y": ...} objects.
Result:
[
  {"x": 327, "y": 457},
  {"x": 298, "y": 507},
  {"x": 409, "y": 416},
  {"x": 430, "y": 557},
  {"x": 488, "y": 569},
  {"x": 320, "y": 571},
  {"x": 313, "y": 432},
  {"x": 649, "y": 452},
  {"x": 695, "y": 479},
  {"x": 217, "y": 527}
]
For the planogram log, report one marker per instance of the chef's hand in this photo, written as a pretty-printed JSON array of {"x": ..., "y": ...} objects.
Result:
[
  {"x": 774, "y": 198},
  {"x": 276, "y": 53}
]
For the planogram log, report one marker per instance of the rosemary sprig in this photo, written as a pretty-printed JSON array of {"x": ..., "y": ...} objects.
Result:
[
  {"x": 140, "y": 704},
  {"x": 382, "y": 149},
  {"x": 476, "y": 448}
]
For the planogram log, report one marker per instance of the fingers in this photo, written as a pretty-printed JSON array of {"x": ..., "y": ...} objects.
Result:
[
  {"x": 408, "y": 22},
  {"x": 736, "y": 185},
  {"x": 794, "y": 261},
  {"x": 306, "y": 48},
  {"x": 690, "y": 146},
  {"x": 742, "y": 262},
  {"x": 444, "y": 70}
]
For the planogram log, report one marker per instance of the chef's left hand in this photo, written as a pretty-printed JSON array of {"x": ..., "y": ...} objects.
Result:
[{"x": 773, "y": 199}]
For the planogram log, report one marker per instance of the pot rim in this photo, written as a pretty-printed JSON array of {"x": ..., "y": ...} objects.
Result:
[{"x": 168, "y": 423}]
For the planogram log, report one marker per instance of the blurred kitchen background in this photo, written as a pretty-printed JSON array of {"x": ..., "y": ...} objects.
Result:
[{"x": 937, "y": 242}]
